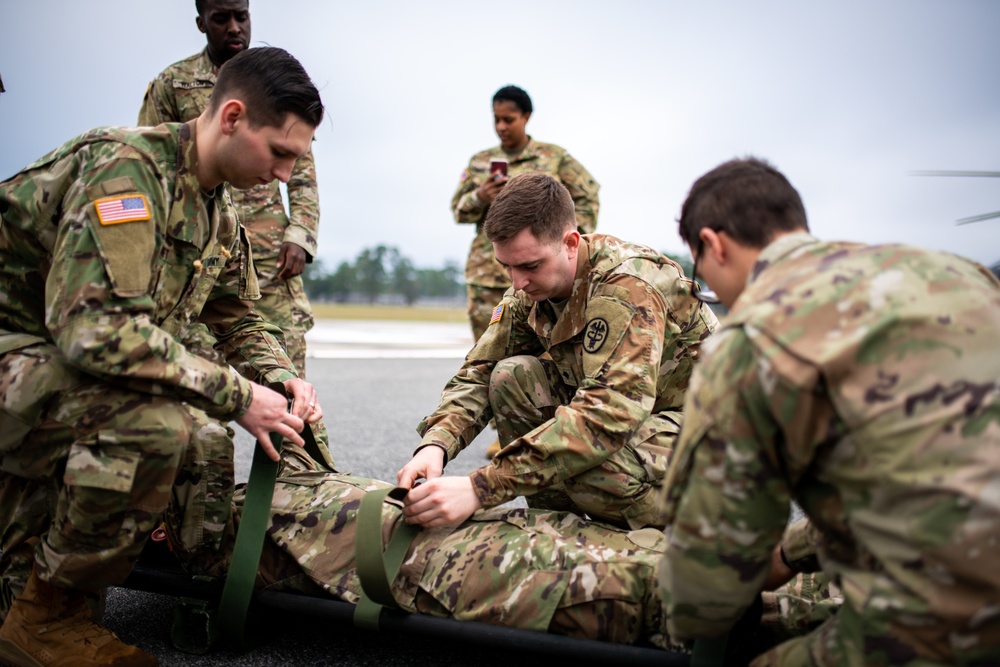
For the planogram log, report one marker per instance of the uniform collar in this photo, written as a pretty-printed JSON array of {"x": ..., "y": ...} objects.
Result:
[
  {"x": 204, "y": 67},
  {"x": 529, "y": 152},
  {"x": 778, "y": 250}
]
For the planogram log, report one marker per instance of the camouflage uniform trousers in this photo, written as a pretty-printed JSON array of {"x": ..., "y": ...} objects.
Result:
[
  {"x": 624, "y": 488},
  {"x": 284, "y": 304},
  {"x": 481, "y": 302},
  {"x": 86, "y": 487},
  {"x": 549, "y": 572}
]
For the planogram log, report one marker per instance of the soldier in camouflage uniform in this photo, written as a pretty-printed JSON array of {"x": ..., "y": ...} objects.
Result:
[
  {"x": 861, "y": 381},
  {"x": 111, "y": 246},
  {"x": 486, "y": 281},
  {"x": 282, "y": 244},
  {"x": 550, "y": 572},
  {"x": 584, "y": 366}
]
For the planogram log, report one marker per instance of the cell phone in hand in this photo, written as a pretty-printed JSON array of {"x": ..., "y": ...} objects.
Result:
[{"x": 498, "y": 166}]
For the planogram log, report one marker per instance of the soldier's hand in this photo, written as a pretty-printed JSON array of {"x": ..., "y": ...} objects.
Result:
[
  {"x": 291, "y": 261},
  {"x": 427, "y": 463},
  {"x": 489, "y": 190},
  {"x": 268, "y": 413},
  {"x": 305, "y": 404},
  {"x": 444, "y": 501}
]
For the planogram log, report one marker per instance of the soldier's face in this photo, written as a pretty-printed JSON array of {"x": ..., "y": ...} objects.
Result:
[
  {"x": 541, "y": 269},
  {"x": 226, "y": 24},
  {"x": 510, "y": 122},
  {"x": 258, "y": 155}
]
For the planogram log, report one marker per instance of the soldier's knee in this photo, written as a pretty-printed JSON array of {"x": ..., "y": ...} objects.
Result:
[
  {"x": 519, "y": 370},
  {"x": 166, "y": 426}
]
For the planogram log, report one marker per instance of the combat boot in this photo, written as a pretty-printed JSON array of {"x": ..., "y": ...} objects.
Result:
[
  {"x": 48, "y": 626},
  {"x": 493, "y": 449}
]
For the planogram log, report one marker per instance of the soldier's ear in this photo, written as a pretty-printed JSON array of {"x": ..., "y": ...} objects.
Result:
[
  {"x": 711, "y": 242},
  {"x": 572, "y": 240},
  {"x": 198, "y": 21},
  {"x": 232, "y": 113}
]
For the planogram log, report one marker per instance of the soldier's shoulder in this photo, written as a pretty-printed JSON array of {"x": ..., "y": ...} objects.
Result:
[
  {"x": 183, "y": 69},
  {"x": 617, "y": 255},
  {"x": 150, "y": 146},
  {"x": 544, "y": 148},
  {"x": 485, "y": 154}
]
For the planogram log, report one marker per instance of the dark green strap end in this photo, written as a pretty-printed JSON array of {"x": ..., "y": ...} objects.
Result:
[{"x": 377, "y": 569}]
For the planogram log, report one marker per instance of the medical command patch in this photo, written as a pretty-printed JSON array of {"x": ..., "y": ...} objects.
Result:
[
  {"x": 118, "y": 209},
  {"x": 595, "y": 334},
  {"x": 497, "y": 314}
]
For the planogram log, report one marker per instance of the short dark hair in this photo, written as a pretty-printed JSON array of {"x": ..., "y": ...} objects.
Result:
[
  {"x": 534, "y": 200},
  {"x": 272, "y": 84},
  {"x": 515, "y": 95},
  {"x": 199, "y": 5},
  {"x": 746, "y": 198}
]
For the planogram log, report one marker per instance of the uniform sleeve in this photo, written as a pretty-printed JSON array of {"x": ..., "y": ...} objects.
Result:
[
  {"x": 98, "y": 303},
  {"x": 728, "y": 496},
  {"x": 465, "y": 204},
  {"x": 583, "y": 189},
  {"x": 303, "y": 206},
  {"x": 626, "y": 326},
  {"x": 464, "y": 409},
  {"x": 158, "y": 106},
  {"x": 251, "y": 345}
]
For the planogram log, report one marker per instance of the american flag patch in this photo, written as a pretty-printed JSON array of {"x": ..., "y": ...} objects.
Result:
[
  {"x": 497, "y": 314},
  {"x": 114, "y": 210}
]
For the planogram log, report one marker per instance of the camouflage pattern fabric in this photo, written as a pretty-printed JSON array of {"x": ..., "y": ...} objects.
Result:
[
  {"x": 481, "y": 268},
  {"x": 551, "y": 572},
  {"x": 181, "y": 93},
  {"x": 525, "y": 392},
  {"x": 862, "y": 382},
  {"x": 799, "y": 607},
  {"x": 623, "y": 345},
  {"x": 112, "y": 299}
]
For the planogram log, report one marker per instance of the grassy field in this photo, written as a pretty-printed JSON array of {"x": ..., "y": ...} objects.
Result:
[{"x": 353, "y": 311}]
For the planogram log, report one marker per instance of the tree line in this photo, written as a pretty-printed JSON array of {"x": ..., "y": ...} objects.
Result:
[{"x": 383, "y": 274}]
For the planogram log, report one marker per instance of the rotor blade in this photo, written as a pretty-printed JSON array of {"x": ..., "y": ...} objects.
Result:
[
  {"x": 988, "y": 174},
  {"x": 977, "y": 218}
]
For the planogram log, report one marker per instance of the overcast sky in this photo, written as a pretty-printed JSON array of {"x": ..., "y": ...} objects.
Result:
[{"x": 847, "y": 97}]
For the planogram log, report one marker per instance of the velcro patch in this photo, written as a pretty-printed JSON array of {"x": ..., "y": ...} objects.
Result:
[
  {"x": 497, "y": 314},
  {"x": 607, "y": 322},
  {"x": 122, "y": 208}
]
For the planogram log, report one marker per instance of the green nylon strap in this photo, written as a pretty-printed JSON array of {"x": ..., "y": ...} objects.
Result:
[
  {"x": 377, "y": 570},
  {"x": 249, "y": 544}
]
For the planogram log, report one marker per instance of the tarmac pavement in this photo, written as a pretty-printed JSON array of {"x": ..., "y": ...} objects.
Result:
[{"x": 375, "y": 382}]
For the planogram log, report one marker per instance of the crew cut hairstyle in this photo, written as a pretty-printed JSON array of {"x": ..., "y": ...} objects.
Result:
[
  {"x": 534, "y": 200},
  {"x": 272, "y": 84},
  {"x": 515, "y": 95},
  {"x": 746, "y": 198}
]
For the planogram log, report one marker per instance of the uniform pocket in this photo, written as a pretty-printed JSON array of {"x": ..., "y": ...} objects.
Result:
[{"x": 103, "y": 465}]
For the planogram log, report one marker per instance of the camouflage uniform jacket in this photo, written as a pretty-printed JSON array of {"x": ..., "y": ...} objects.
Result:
[
  {"x": 862, "y": 381},
  {"x": 628, "y": 338},
  {"x": 180, "y": 93},
  {"x": 482, "y": 268},
  {"x": 116, "y": 296}
]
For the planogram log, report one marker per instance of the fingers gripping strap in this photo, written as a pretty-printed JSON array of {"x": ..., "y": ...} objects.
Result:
[
  {"x": 249, "y": 543},
  {"x": 377, "y": 569}
]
